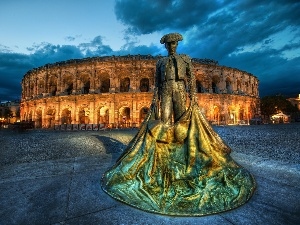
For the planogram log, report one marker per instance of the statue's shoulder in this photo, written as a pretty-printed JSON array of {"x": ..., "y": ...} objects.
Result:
[
  {"x": 185, "y": 58},
  {"x": 161, "y": 61}
]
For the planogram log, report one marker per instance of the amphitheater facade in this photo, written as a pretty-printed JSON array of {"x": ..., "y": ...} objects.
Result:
[{"x": 116, "y": 91}]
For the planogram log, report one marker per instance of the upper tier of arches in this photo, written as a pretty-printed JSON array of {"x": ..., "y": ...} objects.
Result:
[{"x": 117, "y": 74}]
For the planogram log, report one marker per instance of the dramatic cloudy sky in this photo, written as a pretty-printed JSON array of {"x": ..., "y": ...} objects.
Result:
[{"x": 259, "y": 36}]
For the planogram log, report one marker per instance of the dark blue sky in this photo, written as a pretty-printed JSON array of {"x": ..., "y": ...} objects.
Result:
[{"x": 260, "y": 37}]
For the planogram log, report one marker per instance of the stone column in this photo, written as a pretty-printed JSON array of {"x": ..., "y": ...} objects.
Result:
[
  {"x": 57, "y": 113},
  {"x": 92, "y": 111},
  {"x": 92, "y": 81},
  {"x": 59, "y": 81},
  {"x": 134, "y": 118},
  {"x": 73, "y": 112},
  {"x": 112, "y": 111}
]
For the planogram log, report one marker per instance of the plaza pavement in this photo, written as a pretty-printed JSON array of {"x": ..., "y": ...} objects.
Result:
[{"x": 53, "y": 177}]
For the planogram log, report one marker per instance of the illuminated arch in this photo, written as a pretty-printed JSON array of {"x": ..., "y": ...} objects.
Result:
[
  {"x": 124, "y": 116},
  {"x": 66, "y": 116},
  {"x": 39, "y": 118},
  {"x": 143, "y": 113},
  {"x": 103, "y": 115}
]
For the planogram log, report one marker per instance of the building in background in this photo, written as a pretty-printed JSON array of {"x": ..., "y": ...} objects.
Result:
[
  {"x": 116, "y": 91},
  {"x": 295, "y": 101},
  {"x": 9, "y": 112}
]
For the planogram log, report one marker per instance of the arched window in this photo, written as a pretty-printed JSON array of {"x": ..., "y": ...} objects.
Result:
[
  {"x": 199, "y": 87},
  {"x": 144, "y": 85},
  {"x": 53, "y": 89},
  {"x": 239, "y": 86},
  {"x": 124, "y": 84},
  {"x": 143, "y": 113},
  {"x": 86, "y": 87},
  {"x": 53, "y": 86},
  {"x": 214, "y": 87},
  {"x": 124, "y": 116},
  {"x": 66, "y": 116},
  {"x": 228, "y": 86},
  {"x": 214, "y": 84},
  {"x": 69, "y": 88},
  {"x": 105, "y": 85},
  {"x": 40, "y": 86},
  {"x": 39, "y": 119},
  {"x": 104, "y": 116},
  {"x": 84, "y": 113}
]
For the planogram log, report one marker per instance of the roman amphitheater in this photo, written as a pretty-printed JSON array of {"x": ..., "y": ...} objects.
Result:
[{"x": 116, "y": 92}]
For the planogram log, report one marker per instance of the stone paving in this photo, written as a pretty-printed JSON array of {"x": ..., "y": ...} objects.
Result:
[{"x": 53, "y": 177}]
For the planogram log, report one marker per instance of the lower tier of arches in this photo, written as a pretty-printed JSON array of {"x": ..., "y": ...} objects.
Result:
[{"x": 129, "y": 109}]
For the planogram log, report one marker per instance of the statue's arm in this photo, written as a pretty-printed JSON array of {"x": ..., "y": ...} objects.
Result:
[
  {"x": 157, "y": 91},
  {"x": 191, "y": 78},
  {"x": 158, "y": 85}
]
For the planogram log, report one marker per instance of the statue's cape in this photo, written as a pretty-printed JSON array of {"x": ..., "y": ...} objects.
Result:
[{"x": 184, "y": 169}]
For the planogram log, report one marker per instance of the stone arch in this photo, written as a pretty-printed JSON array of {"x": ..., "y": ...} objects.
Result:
[
  {"x": 143, "y": 113},
  {"x": 53, "y": 85},
  {"x": 50, "y": 116},
  {"x": 144, "y": 85},
  {"x": 214, "y": 84},
  {"x": 239, "y": 86},
  {"x": 104, "y": 82},
  {"x": 232, "y": 115},
  {"x": 40, "y": 85},
  {"x": 86, "y": 87},
  {"x": 83, "y": 115},
  {"x": 124, "y": 84},
  {"x": 85, "y": 83},
  {"x": 124, "y": 116},
  {"x": 38, "y": 118},
  {"x": 68, "y": 83},
  {"x": 228, "y": 85},
  {"x": 66, "y": 116},
  {"x": 246, "y": 85},
  {"x": 30, "y": 115},
  {"x": 24, "y": 116},
  {"x": 242, "y": 114},
  {"x": 199, "y": 87},
  {"x": 103, "y": 115}
]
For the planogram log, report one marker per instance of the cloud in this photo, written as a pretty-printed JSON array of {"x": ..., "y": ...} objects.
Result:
[
  {"x": 70, "y": 38},
  {"x": 5, "y": 49},
  {"x": 260, "y": 37},
  {"x": 145, "y": 17},
  {"x": 95, "y": 47},
  {"x": 13, "y": 66}
]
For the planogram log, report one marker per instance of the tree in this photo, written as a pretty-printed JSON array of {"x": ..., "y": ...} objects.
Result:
[{"x": 274, "y": 104}]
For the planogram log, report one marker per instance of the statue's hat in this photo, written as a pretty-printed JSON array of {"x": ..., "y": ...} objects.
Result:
[{"x": 171, "y": 37}]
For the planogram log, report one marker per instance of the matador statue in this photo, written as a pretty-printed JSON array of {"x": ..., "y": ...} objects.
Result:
[
  {"x": 173, "y": 79},
  {"x": 177, "y": 164}
]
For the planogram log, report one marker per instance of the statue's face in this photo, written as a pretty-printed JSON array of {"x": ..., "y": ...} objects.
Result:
[{"x": 171, "y": 47}]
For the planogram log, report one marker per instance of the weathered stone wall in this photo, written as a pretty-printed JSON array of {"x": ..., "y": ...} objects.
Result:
[{"x": 117, "y": 91}]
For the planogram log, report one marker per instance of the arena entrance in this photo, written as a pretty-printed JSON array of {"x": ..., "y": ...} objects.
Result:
[
  {"x": 124, "y": 117},
  {"x": 103, "y": 116}
]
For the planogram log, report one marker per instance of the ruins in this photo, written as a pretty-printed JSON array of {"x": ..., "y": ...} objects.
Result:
[{"x": 116, "y": 91}]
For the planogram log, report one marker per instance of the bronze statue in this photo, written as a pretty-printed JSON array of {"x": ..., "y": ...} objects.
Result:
[
  {"x": 173, "y": 77},
  {"x": 177, "y": 164}
]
